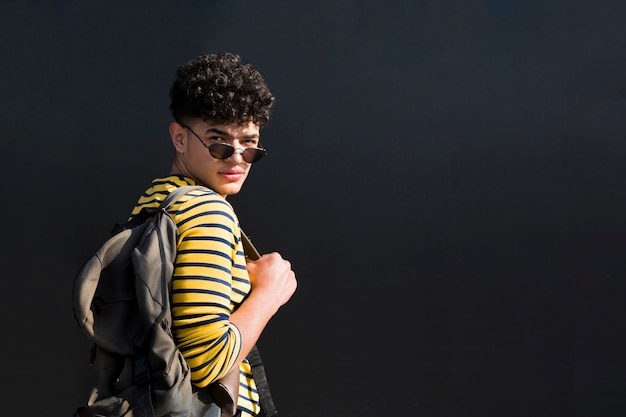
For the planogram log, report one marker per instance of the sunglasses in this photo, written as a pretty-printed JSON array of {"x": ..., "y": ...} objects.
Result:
[{"x": 225, "y": 150}]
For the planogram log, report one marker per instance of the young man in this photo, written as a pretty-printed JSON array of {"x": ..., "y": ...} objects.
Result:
[{"x": 221, "y": 301}]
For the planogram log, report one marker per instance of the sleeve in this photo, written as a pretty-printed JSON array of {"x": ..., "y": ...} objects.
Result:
[{"x": 202, "y": 287}]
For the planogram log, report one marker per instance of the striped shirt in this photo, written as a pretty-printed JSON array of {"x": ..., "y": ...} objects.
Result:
[{"x": 210, "y": 279}]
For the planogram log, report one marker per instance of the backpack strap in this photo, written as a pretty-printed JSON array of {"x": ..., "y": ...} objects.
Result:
[
  {"x": 258, "y": 372},
  {"x": 248, "y": 247},
  {"x": 176, "y": 193},
  {"x": 254, "y": 357},
  {"x": 146, "y": 213},
  {"x": 141, "y": 370}
]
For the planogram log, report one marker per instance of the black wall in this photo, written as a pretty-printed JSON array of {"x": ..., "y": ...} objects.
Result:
[{"x": 447, "y": 177}]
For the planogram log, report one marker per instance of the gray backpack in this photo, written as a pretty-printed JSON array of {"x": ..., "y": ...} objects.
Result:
[{"x": 121, "y": 302}]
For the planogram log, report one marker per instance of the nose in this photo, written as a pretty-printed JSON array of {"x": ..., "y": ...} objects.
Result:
[{"x": 237, "y": 153}]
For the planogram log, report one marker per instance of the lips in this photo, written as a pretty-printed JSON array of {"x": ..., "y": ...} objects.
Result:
[{"x": 232, "y": 175}]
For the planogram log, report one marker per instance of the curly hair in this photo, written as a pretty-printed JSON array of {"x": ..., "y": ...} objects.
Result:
[{"x": 221, "y": 88}]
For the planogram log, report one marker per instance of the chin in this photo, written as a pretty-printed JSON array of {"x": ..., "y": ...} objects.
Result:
[{"x": 230, "y": 189}]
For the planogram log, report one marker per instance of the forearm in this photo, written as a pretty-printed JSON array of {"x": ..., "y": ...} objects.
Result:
[
  {"x": 251, "y": 318},
  {"x": 273, "y": 283}
]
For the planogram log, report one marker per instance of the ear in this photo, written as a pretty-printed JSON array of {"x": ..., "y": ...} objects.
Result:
[{"x": 178, "y": 136}]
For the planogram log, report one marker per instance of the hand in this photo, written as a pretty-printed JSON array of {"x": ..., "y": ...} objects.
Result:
[
  {"x": 272, "y": 277},
  {"x": 273, "y": 283}
]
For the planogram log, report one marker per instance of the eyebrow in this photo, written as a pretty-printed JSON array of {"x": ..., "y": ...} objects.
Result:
[{"x": 221, "y": 132}]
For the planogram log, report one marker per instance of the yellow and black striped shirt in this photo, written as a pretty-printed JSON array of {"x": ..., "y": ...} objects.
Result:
[{"x": 210, "y": 279}]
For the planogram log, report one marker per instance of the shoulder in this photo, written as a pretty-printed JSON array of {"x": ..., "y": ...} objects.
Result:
[
  {"x": 200, "y": 206},
  {"x": 199, "y": 198}
]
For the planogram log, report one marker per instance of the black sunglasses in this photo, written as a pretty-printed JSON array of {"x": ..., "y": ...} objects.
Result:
[{"x": 225, "y": 150}]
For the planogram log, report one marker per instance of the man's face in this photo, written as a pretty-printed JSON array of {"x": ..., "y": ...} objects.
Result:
[{"x": 224, "y": 176}]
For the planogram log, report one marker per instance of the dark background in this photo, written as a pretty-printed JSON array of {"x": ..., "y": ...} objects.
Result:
[{"x": 447, "y": 177}]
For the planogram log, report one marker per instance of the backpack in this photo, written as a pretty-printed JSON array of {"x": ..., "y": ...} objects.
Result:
[{"x": 121, "y": 301}]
